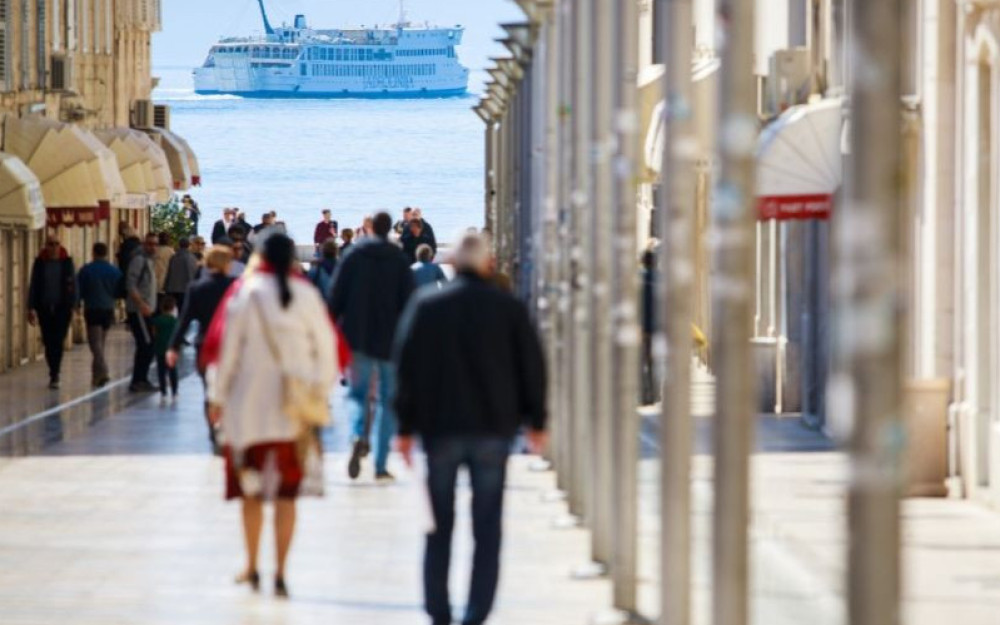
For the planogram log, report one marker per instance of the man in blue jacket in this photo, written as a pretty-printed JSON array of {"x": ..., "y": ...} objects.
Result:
[{"x": 100, "y": 283}]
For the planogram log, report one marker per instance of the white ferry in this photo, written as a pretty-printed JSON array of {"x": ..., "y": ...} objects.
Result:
[{"x": 402, "y": 60}]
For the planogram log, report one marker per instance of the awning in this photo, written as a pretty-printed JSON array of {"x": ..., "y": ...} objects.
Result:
[
  {"x": 139, "y": 158},
  {"x": 799, "y": 162},
  {"x": 652, "y": 104},
  {"x": 21, "y": 204},
  {"x": 179, "y": 158},
  {"x": 79, "y": 175},
  {"x": 192, "y": 161}
]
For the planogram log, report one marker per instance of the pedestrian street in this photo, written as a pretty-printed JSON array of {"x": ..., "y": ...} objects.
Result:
[{"x": 124, "y": 522}]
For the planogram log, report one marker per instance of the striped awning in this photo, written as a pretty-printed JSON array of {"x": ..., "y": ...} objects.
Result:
[
  {"x": 76, "y": 170},
  {"x": 21, "y": 204}
]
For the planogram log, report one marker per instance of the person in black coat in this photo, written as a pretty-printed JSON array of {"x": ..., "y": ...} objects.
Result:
[
  {"x": 470, "y": 374},
  {"x": 418, "y": 236},
  {"x": 200, "y": 303},
  {"x": 51, "y": 300},
  {"x": 220, "y": 229},
  {"x": 370, "y": 289}
]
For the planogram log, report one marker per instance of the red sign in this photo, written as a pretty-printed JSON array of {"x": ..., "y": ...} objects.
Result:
[
  {"x": 789, "y": 207},
  {"x": 81, "y": 216}
]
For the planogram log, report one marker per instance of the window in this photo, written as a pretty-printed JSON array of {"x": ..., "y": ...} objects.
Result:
[{"x": 40, "y": 43}]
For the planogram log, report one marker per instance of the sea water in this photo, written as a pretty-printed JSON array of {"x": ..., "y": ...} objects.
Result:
[{"x": 355, "y": 157}]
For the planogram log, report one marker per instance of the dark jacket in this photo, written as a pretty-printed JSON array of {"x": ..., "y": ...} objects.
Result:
[
  {"x": 370, "y": 289},
  {"x": 127, "y": 251},
  {"x": 67, "y": 280},
  {"x": 200, "y": 302},
  {"x": 325, "y": 231},
  {"x": 181, "y": 271},
  {"x": 99, "y": 282},
  {"x": 410, "y": 244},
  {"x": 469, "y": 362},
  {"x": 219, "y": 231}
]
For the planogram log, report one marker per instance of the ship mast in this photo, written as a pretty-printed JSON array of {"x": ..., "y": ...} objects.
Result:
[
  {"x": 402, "y": 14},
  {"x": 263, "y": 13}
]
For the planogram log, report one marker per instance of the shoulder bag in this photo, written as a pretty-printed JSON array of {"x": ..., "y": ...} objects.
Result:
[{"x": 303, "y": 401}]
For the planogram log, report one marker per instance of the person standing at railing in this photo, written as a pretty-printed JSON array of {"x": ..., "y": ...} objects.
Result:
[{"x": 325, "y": 230}]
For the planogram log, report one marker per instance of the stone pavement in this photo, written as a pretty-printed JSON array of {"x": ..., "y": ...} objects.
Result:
[
  {"x": 798, "y": 541},
  {"x": 122, "y": 521}
]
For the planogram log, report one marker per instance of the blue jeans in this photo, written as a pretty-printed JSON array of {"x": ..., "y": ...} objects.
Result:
[
  {"x": 486, "y": 459},
  {"x": 362, "y": 368}
]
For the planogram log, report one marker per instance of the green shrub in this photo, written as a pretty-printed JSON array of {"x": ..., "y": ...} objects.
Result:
[{"x": 169, "y": 217}]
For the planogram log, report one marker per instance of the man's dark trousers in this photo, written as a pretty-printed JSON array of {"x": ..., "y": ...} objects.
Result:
[
  {"x": 53, "y": 321},
  {"x": 143, "y": 348},
  {"x": 486, "y": 459}
]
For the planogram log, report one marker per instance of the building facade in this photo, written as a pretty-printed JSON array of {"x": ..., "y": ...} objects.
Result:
[{"x": 84, "y": 147}]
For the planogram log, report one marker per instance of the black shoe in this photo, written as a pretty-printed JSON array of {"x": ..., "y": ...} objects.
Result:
[
  {"x": 54, "y": 384},
  {"x": 249, "y": 577},
  {"x": 384, "y": 477},
  {"x": 280, "y": 589},
  {"x": 142, "y": 387},
  {"x": 359, "y": 451}
]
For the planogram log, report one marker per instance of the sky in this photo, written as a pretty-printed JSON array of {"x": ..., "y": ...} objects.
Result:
[{"x": 190, "y": 27}]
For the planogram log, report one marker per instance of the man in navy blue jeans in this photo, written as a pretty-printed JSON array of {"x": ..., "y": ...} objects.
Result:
[
  {"x": 470, "y": 374},
  {"x": 371, "y": 286}
]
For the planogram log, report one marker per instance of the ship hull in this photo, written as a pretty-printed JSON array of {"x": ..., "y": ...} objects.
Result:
[{"x": 342, "y": 94}]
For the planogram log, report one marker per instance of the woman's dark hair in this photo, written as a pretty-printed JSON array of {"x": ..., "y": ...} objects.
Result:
[{"x": 279, "y": 252}]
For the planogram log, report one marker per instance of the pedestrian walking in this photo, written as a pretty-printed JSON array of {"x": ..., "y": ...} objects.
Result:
[
  {"x": 425, "y": 270},
  {"x": 163, "y": 326},
  {"x": 51, "y": 300},
  {"x": 370, "y": 289},
  {"x": 249, "y": 393},
  {"x": 161, "y": 260},
  {"x": 325, "y": 230},
  {"x": 416, "y": 235},
  {"x": 200, "y": 303},
  {"x": 650, "y": 389},
  {"x": 140, "y": 305},
  {"x": 322, "y": 273},
  {"x": 198, "y": 248},
  {"x": 99, "y": 284},
  {"x": 181, "y": 272},
  {"x": 221, "y": 227},
  {"x": 471, "y": 373}
]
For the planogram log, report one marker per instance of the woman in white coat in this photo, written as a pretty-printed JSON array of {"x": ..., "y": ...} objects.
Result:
[{"x": 276, "y": 325}]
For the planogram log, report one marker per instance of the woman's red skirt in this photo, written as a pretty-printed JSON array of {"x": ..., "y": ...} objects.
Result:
[{"x": 267, "y": 470}]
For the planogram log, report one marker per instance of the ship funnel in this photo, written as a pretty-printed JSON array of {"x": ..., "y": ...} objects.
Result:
[{"x": 300, "y": 21}]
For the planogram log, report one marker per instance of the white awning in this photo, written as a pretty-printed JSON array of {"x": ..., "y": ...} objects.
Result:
[
  {"x": 142, "y": 164},
  {"x": 652, "y": 105},
  {"x": 76, "y": 170},
  {"x": 178, "y": 157},
  {"x": 21, "y": 204},
  {"x": 799, "y": 162}
]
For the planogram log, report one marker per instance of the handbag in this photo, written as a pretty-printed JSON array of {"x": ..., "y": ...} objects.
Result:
[
  {"x": 304, "y": 402},
  {"x": 310, "y": 453}
]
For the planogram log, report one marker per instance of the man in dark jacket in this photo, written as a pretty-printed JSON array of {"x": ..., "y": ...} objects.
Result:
[
  {"x": 51, "y": 299},
  {"x": 128, "y": 245},
  {"x": 470, "y": 374},
  {"x": 426, "y": 232},
  {"x": 220, "y": 229},
  {"x": 417, "y": 236},
  {"x": 370, "y": 289},
  {"x": 99, "y": 282},
  {"x": 200, "y": 303}
]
